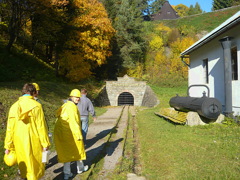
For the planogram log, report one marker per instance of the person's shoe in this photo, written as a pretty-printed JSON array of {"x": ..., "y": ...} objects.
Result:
[
  {"x": 85, "y": 168},
  {"x": 67, "y": 176}
]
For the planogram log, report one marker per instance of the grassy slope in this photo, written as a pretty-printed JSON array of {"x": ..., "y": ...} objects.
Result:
[
  {"x": 178, "y": 152},
  {"x": 203, "y": 22}
]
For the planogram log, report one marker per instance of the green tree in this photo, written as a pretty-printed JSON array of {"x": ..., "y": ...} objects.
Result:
[
  {"x": 235, "y": 2},
  {"x": 221, "y": 4},
  {"x": 146, "y": 7},
  {"x": 16, "y": 15},
  {"x": 155, "y": 6},
  {"x": 127, "y": 45},
  {"x": 195, "y": 10},
  {"x": 191, "y": 10}
]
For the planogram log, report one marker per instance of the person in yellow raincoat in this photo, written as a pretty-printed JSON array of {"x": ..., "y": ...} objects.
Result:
[
  {"x": 68, "y": 136},
  {"x": 27, "y": 134}
]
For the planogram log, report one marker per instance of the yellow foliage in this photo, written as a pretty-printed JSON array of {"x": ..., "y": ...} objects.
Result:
[
  {"x": 186, "y": 30},
  {"x": 163, "y": 29},
  {"x": 95, "y": 39},
  {"x": 156, "y": 43},
  {"x": 177, "y": 47},
  {"x": 181, "y": 9},
  {"x": 89, "y": 41},
  {"x": 158, "y": 66},
  {"x": 75, "y": 68},
  {"x": 27, "y": 27},
  {"x": 137, "y": 71},
  {"x": 180, "y": 45}
]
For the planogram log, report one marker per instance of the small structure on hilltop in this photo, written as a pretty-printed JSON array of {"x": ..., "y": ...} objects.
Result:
[
  {"x": 166, "y": 12},
  {"x": 126, "y": 91}
]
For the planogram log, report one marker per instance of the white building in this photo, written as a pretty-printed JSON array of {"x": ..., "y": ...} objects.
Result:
[{"x": 214, "y": 62}]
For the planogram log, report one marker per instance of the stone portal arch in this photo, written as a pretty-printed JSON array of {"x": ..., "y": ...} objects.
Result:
[
  {"x": 126, "y": 90},
  {"x": 125, "y": 98}
]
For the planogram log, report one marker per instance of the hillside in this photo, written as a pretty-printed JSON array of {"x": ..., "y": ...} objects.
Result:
[
  {"x": 203, "y": 22},
  {"x": 166, "y": 39},
  {"x": 22, "y": 65}
]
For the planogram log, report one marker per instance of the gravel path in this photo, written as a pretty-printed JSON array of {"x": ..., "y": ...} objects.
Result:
[{"x": 97, "y": 137}]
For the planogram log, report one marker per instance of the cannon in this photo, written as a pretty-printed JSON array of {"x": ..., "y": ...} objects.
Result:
[{"x": 206, "y": 107}]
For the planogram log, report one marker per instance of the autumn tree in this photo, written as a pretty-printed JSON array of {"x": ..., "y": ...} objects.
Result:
[
  {"x": 157, "y": 63},
  {"x": 88, "y": 43},
  {"x": 29, "y": 21},
  {"x": 16, "y": 15},
  {"x": 181, "y": 9},
  {"x": 162, "y": 31},
  {"x": 176, "y": 66}
]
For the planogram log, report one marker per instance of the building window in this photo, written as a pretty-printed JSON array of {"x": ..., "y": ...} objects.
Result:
[
  {"x": 205, "y": 71},
  {"x": 234, "y": 63}
]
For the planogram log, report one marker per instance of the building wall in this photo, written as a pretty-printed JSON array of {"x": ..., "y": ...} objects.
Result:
[{"x": 214, "y": 52}]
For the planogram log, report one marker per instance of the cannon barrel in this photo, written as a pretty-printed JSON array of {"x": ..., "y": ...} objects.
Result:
[{"x": 206, "y": 107}]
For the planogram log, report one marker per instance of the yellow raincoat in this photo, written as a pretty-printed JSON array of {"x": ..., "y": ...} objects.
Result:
[
  {"x": 27, "y": 134},
  {"x": 67, "y": 134}
]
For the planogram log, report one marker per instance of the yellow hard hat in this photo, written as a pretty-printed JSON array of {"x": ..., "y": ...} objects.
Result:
[
  {"x": 75, "y": 93},
  {"x": 10, "y": 159},
  {"x": 36, "y": 86}
]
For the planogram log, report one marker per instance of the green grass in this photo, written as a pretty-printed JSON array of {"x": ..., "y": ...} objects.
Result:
[
  {"x": 203, "y": 22},
  {"x": 165, "y": 93},
  {"x": 180, "y": 152},
  {"x": 21, "y": 65},
  {"x": 167, "y": 151}
]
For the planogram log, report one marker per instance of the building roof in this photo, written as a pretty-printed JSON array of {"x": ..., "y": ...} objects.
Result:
[
  {"x": 166, "y": 12},
  {"x": 214, "y": 33}
]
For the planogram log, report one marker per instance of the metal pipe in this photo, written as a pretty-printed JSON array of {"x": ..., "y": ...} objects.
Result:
[
  {"x": 195, "y": 85},
  {"x": 226, "y": 45},
  {"x": 184, "y": 61}
]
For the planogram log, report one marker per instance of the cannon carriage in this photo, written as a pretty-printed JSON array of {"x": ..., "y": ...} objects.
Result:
[{"x": 206, "y": 107}]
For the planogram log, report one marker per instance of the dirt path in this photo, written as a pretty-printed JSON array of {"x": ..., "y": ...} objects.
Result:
[{"x": 97, "y": 137}]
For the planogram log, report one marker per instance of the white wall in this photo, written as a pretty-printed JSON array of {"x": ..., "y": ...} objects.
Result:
[{"x": 214, "y": 52}]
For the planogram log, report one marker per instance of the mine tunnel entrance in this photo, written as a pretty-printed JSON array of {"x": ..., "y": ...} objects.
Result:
[{"x": 125, "y": 98}]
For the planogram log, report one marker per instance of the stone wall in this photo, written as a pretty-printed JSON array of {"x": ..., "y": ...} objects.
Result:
[
  {"x": 125, "y": 84},
  {"x": 142, "y": 94}
]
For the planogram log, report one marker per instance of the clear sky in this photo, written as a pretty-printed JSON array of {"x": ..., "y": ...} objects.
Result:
[{"x": 206, "y": 5}]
